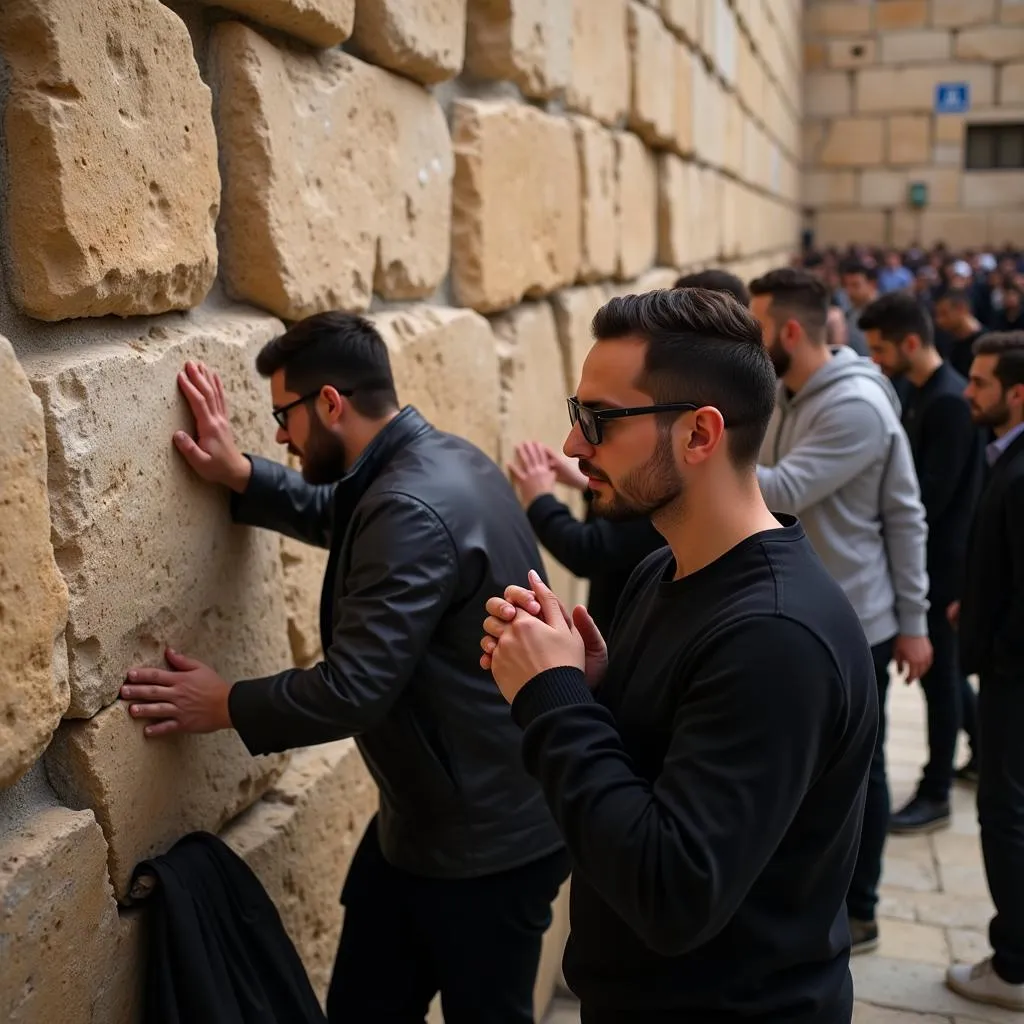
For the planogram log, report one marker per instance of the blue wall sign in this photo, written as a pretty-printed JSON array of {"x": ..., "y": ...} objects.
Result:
[{"x": 952, "y": 98}]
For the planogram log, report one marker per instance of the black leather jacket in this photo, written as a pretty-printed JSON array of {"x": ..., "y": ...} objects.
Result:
[{"x": 421, "y": 531}]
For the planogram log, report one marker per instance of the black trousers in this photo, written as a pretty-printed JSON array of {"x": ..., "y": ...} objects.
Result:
[
  {"x": 862, "y": 896},
  {"x": 477, "y": 941},
  {"x": 1001, "y": 817}
]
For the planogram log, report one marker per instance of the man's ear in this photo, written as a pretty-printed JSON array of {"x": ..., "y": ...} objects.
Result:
[
  {"x": 703, "y": 432},
  {"x": 330, "y": 405}
]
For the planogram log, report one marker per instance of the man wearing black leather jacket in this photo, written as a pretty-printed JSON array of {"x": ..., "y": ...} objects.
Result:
[{"x": 452, "y": 884}]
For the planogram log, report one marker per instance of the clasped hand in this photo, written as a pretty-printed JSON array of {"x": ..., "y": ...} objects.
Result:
[{"x": 528, "y": 631}]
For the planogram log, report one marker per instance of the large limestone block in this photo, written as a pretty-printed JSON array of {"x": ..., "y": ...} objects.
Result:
[
  {"x": 147, "y": 793},
  {"x": 683, "y": 16},
  {"x": 685, "y": 72},
  {"x": 637, "y": 205},
  {"x": 600, "y": 228},
  {"x": 509, "y": 156},
  {"x": 422, "y": 39},
  {"x": 533, "y": 400},
  {"x": 318, "y": 22},
  {"x": 299, "y": 840},
  {"x": 527, "y": 42},
  {"x": 574, "y": 313},
  {"x": 842, "y": 227},
  {"x": 652, "y": 64},
  {"x": 913, "y": 88},
  {"x": 66, "y": 956},
  {"x": 337, "y": 178},
  {"x": 445, "y": 364},
  {"x": 148, "y": 551},
  {"x": 853, "y": 142},
  {"x": 303, "y": 567},
  {"x": 34, "y": 690},
  {"x": 112, "y": 183},
  {"x": 674, "y": 227},
  {"x": 599, "y": 79}
]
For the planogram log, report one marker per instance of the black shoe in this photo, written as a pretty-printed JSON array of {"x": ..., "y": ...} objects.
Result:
[
  {"x": 969, "y": 772},
  {"x": 920, "y": 815},
  {"x": 864, "y": 935}
]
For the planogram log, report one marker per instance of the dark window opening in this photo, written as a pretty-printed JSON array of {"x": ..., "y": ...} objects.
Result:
[{"x": 994, "y": 147}]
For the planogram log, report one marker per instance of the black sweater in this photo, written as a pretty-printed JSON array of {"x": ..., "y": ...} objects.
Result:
[
  {"x": 949, "y": 456},
  {"x": 711, "y": 791},
  {"x": 599, "y": 550}
]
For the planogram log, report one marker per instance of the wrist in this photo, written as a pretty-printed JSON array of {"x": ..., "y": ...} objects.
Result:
[{"x": 239, "y": 475}]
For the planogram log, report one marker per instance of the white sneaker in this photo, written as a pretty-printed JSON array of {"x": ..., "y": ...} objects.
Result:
[{"x": 981, "y": 983}]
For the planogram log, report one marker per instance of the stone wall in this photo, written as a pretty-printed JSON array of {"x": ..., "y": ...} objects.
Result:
[
  {"x": 178, "y": 180},
  {"x": 871, "y": 128}
]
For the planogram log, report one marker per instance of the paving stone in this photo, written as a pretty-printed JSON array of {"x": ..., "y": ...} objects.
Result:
[
  {"x": 917, "y": 875},
  {"x": 337, "y": 178},
  {"x": 512, "y": 156},
  {"x": 865, "y": 1013},
  {"x": 106, "y": 212},
  {"x": 967, "y": 945},
  {"x": 963, "y": 879},
  {"x": 906, "y": 940},
  {"x": 148, "y": 550},
  {"x": 299, "y": 840},
  {"x": 422, "y": 39},
  {"x": 34, "y": 691},
  {"x": 952, "y": 848},
  {"x": 318, "y": 22},
  {"x": 949, "y": 909}
]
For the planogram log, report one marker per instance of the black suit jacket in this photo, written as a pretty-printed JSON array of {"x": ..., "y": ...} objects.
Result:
[
  {"x": 949, "y": 456},
  {"x": 421, "y": 532},
  {"x": 992, "y": 607}
]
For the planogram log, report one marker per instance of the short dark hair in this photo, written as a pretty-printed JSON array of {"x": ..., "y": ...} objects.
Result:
[
  {"x": 338, "y": 349},
  {"x": 859, "y": 267},
  {"x": 955, "y": 296},
  {"x": 895, "y": 316},
  {"x": 798, "y": 294},
  {"x": 1008, "y": 348},
  {"x": 702, "y": 346},
  {"x": 716, "y": 281}
]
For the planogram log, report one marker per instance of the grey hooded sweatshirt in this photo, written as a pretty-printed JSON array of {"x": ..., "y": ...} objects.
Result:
[{"x": 836, "y": 455}]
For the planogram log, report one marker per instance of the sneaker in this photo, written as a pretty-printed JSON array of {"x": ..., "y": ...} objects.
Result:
[
  {"x": 969, "y": 773},
  {"x": 864, "y": 935},
  {"x": 920, "y": 815},
  {"x": 981, "y": 983}
]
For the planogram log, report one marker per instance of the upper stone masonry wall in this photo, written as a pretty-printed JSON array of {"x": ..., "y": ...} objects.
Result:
[{"x": 872, "y": 128}]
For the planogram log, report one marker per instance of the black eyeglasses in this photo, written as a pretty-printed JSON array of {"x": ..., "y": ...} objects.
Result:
[
  {"x": 280, "y": 413},
  {"x": 591, "y": 420}
]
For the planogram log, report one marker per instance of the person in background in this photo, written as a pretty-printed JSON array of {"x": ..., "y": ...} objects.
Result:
[
  {"x": 894, "y": 276},
  {"x": 953, "y": 315},
  {"x": 835, "y": 327},
  {"x": 707, "y": 765},
  {"x": 860, "y": 282},
  {"x": 1011, "y": 313},
  {"x": 836, "y": 455},
  {"x": 717, "y": 281},
  {"x": 990, "y": 619},
  {"x": 948, "y": 458}
]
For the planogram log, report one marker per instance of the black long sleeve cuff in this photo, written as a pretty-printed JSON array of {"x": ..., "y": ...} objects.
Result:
[{"x": 554, "y": 688}]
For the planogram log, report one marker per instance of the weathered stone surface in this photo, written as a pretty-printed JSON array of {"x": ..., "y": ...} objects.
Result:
[
  {"x": 637, "y": 205},
  {"x": 916, "y": 47},
  {"x": 913, "y": 88},
  {"x": 528, "y": 42},
  {"x": 957, "y": 14},
  {"x": 299, "y": 840},
  {"x": 599, "y": 80},
  {"x": 837, "y": 227},
  {"x": 652, "y": 68},
  {"x": 995, "y": 43},
  {"x": 836, "y": 19},
  {"x": 303, "y": 568},
  {"x": 899, "y": 14},
  {"x": 66, "y": 956},
  {"x": 685, "y": 64},
  {"x": 958, "y": 229},
  {"x": 849, "y": 54},
  {"x": 683, "y": 16},
  {"x": 423, "y": 39},
  {"x": 509, "y": 156},
  {"x": 112, "y": 183},
  {"x": 944, "y": 184},
  {"x": 827, "y": 93},
  {"x": 852, "y": 142},
  {"x": 147, "y": 793},
  {"x": 600, "y": 228},
  {"x": 908, "y": 139},
  {"x": 574, "y": 311},
  {"x": 882, "y": 188},
  {"x": 319, "y": 22},
  {"x": 445, "y": 363},
  {"x": 147, "y": 549},
  {"x": 34, "y": 690},
  {"x": 675, "y": 230},
  {"x": 1011, "y": 85},
  {"x": 533, "y": 394},
  {"x": 337, "y": 178},
  {"x": 830, "y": 188}
]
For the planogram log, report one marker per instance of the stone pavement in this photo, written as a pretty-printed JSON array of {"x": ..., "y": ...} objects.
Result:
[{"x": 935, "y": 905}]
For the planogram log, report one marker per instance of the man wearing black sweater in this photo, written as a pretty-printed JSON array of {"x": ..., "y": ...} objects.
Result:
[
  {"x": 707, "y": 766},
  {"x": 991, "y": 624},
  {"x": 949, "y": 460}
]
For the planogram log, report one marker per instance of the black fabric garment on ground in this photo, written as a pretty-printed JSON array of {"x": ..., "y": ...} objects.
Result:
[{"x": 218, "y": 952}]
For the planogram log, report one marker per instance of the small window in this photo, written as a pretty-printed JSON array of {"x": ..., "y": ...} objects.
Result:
[{"x": 994, "y": 147}]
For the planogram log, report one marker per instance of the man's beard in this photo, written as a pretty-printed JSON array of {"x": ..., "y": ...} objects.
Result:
[
  {"x": 643, "y": 491},
  {"x": 901, "y": 367},
  {"x": 323, "y": 461},
  {"x": 780, "y": 358},
  {"x": 996, "y": 416}
]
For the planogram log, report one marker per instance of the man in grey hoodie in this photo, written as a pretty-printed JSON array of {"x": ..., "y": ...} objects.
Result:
[{"x": 836, "y": 455}]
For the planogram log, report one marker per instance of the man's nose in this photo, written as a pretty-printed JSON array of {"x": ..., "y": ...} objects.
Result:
[
  {"x": 281, "y": 437},
  {"x": 576, "y": 445}
]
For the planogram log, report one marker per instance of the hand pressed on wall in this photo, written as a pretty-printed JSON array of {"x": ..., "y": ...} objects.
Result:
[{"x": 190, "y": 698}]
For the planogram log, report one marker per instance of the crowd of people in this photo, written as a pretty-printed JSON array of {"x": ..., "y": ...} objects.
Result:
[{"x": 772, "y": 521}]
